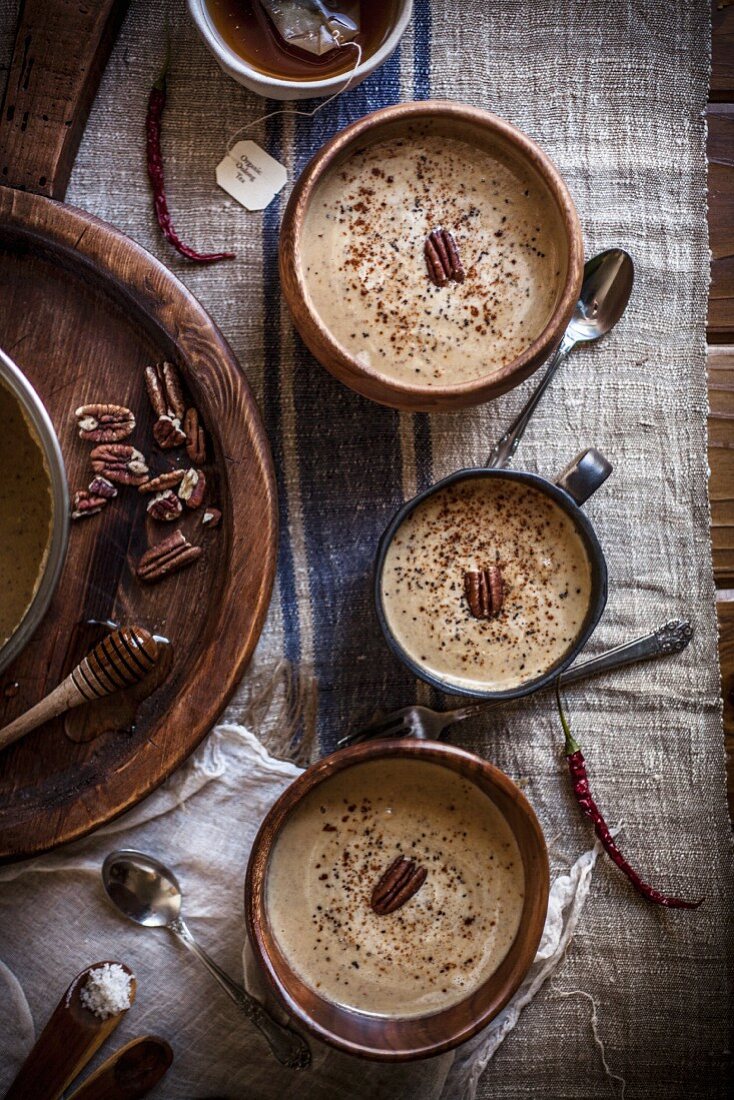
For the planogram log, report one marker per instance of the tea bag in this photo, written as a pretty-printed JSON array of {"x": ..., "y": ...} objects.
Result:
[{"x": 313, "y": 26}]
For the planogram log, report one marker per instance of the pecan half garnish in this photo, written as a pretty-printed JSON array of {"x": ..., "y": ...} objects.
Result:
[
  {"x": 195, "y": 438},
  {"x": 87, "y": 504},
  {"x": 484, "y": 591},
  {"x": 167, "y": 433},
  {"x": 120, "y": 463},
  {"x": 403, "y": 878},
  {"x": 442, "y": 258},
  {"x": 167, "y": 480},
  {"x": 164, "y": 391},
  {"x": 167, "y": 557},
  {"x": 212, "y": 518},
  {"x": 192, "y": 488},
  {"x": 101, "y": 487},
  {"x": 104, "y": 423},
  {"x": 165, "y": 506}
]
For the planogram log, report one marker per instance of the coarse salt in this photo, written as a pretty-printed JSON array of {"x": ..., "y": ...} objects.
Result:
[{"x": 106, "y": 990}]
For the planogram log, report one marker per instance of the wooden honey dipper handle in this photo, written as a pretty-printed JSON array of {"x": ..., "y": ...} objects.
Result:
[{"x": 121, "y": 659}]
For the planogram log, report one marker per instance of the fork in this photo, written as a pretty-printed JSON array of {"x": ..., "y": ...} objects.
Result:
[{"x": 429, "y": 725}]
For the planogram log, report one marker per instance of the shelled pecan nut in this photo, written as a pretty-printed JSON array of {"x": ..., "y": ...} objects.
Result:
[
  {"x": 485, "y": 591},
  {"x": 87, "y": 504},
  {"x": 167, "y": 480},
  {"x": 164, "y": 390},
  {"x": 212, "y": 518},
  {"x": 195, "y": 438},
  {"x": 192, "y": 488},
  {"x": 403, "y": 878},
  {"x": 167, "y": 557},
  {"x": 165, "y": 506},
  {"x": 442, "y": 258},
  {"x": 167, "y": 433},
  {"x": 104, "y": 423},
  {"x": 101, "y": 487},
  {"x": 120, "y": 463}
]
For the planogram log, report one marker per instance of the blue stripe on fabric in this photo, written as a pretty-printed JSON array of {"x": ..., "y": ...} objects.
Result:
[
  {"x": 272, "y": 395},
  {"x": 350, "y": 469}
]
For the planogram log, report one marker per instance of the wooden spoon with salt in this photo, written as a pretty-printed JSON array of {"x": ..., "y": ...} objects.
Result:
[
  {"x": 66, "y": 1044},
  {"x": 130, "y": 1073}
]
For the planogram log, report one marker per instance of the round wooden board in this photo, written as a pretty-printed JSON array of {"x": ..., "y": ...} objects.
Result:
[{"x": 83, "y": 310}]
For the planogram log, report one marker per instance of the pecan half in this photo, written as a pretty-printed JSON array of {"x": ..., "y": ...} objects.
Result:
[
  {"x": 195, "y": 438},
  {"x": 212, "y": 518},
  {"x": 167, "y": 557},
  {"x": 164, "y": 391},
  {"x": 403, "y": 878},
  {"x": 165, "y": 506},
  {"x": 167, "y": 480},
  {"x": 192, "y": 488},
  {"x": 101, "y": 487},
  {"x": 120, "y": 463},
  {"x": 167, "y": 433},
  {"x": 104, "y": 423},
  {"x": 485, "y": 591},
  {"x": 87, "y": 504},
  {"x": 442, "y": 258}
]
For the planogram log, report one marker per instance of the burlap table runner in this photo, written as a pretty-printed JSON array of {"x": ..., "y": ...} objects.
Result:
[{"x": 616, "y": 94}]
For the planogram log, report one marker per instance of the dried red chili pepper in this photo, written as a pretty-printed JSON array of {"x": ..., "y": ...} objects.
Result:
[
  {"x": 590, "y": 810},
  {"x": 154, "y": 117}
]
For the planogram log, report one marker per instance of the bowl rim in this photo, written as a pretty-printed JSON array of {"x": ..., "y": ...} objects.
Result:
[
  {"x": 298, "y": 298},
  {"x": 15, "y": 380},
  {"x": 236, "y": 63},
  {"x": 584, "y": 528},
  {"x": 461, "y": 1020}
]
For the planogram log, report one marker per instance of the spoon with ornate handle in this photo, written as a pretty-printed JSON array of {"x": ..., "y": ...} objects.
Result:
[
  {"x": 123, "y": 658},
  {"x": 605, "y": 292}
]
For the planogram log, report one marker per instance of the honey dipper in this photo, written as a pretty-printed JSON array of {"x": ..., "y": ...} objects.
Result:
[{"x": 121, "y": 659}]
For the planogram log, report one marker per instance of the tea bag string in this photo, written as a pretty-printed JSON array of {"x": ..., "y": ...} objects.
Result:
[{"x": 304, "y": 114}]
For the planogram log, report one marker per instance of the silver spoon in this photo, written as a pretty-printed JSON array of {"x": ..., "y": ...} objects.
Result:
[
  {"x": 147, "y": 892},
  {"x": 605, "y": 292}
]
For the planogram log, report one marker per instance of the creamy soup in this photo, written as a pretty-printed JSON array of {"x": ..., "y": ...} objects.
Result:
[
  {"x": 447, "y": 939},
  {"x": 25, "y": 514},
  {"x": 545, "y": 573},
  {"x": 365, "y": 271}
]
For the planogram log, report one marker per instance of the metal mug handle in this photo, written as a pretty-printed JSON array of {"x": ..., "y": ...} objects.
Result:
[{"x": 584, "y": 474}]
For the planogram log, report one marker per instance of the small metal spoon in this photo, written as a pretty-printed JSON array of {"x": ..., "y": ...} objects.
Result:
[
  {"x": 605, "y": 293},
  {"x": 147, "y": 892}
]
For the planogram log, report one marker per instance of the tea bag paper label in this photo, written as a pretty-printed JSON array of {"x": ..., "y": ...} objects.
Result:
[{"x": 251, "y": 175}]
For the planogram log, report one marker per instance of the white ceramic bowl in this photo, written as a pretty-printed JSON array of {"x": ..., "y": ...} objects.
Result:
[{"x": 272, "y": 88}]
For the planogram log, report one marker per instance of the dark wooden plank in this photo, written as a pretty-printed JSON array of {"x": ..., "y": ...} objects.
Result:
[
  {"x": 721, "y": 222},
  {"x": 722, "y": 51}
]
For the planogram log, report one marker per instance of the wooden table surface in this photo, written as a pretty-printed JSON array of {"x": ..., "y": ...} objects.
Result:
[{"x": 721, "y": 350}]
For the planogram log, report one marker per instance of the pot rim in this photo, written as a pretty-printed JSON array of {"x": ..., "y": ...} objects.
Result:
[
  {"x": 599, "y": 580},
  {"x": 463, "y": 1019}
]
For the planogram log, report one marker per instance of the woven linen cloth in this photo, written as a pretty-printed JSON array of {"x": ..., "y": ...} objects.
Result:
[{"x": 616, "y": 94}]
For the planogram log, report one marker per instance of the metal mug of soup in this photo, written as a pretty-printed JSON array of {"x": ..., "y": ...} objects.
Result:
[{"x": 490, "y": 582}]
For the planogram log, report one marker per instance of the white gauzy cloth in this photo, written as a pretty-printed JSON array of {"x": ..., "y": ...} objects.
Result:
[{"x": 55, "y": 920}]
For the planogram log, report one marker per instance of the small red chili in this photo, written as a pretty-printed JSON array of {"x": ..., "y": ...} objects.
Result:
[
  {"x": 590, "y": 810},
  {"x": 154, "y": 117}
]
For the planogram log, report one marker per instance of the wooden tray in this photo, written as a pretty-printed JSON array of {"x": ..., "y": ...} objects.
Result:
[{"x": 83, "y": 310}]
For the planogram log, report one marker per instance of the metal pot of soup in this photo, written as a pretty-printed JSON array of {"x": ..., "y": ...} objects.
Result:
[{"x": 34, "y": 510}]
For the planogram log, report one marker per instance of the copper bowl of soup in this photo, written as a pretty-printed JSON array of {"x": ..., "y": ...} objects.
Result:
[
  {"x": 34, "y": 510},
  {"x": 405, "y": 969}
]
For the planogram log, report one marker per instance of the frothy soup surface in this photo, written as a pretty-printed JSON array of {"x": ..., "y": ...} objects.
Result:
[
  {"x": 471, "y": 525},
  {"x": 363, "y": 263},
  {"x": 447, "y": 939}
]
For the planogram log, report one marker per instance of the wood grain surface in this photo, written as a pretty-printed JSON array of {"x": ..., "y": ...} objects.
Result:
[
  {"x": 721, "y": 357},
  {"x": 83, "y": 311}
]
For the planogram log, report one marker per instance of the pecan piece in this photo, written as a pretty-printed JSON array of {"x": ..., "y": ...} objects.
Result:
[
  {"x": 192, "y": 488},
  {"x": 165, "y": 506},
  {"x": 87, "y": 504},
  {"x": 195, "y": 438},
  {"x": 104, "y": 423},
  {"x": 442, "y": 258},
  {"x": 167, "y": 433},
  {"x": 164, "y": 391},
  {"x": 167, "y": 480},
  {"x": 101, "y": 487},
  {"x": 212, "y": 518},
  {"x": 167, "y": 557},
  {"x": 120, "y": 463},
  {"x": 403, "y": 878},
  {"x": 485, "y": 591}
]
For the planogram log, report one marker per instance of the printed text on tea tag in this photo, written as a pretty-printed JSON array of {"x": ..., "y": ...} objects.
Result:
[{"x": 251, "y": 175}]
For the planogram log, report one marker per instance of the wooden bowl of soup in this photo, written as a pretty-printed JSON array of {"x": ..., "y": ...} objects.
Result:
[
  {"x": 34, "y": 510},
  {"x": 395, "y": 897},
  {"x": 354, "y": 259}
]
